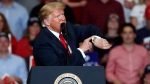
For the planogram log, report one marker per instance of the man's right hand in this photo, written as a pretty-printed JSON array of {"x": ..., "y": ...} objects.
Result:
[
  {"x": 1, "y": 81},
  {"x": 86, "y": 45}
]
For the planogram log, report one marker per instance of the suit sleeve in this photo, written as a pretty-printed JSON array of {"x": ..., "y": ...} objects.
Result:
[
  {"x": 45, "y": 55},
  {"x": 83, "y": 32}
]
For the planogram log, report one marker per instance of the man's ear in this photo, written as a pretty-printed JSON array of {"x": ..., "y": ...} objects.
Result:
[{"x": 46, "y": 22}]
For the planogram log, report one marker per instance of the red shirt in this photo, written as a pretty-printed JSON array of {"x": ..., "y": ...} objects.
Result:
[
  {"x": 77, "y": 11},
  {"x": 21, "y": 47},
  {"x": 96, "y": 12}
]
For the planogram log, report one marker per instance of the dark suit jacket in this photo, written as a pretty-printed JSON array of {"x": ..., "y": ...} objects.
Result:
[{"x": 48, "y": 50}]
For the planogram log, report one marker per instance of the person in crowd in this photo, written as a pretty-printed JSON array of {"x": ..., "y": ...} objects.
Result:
[
  {"x": 55, "y": 47},
  {"x": 137, "y": 14},
  {"x": 11, "y": 65},
  {"x": 5, "y": 28},
  {"x": 97, "y": 12},
  {"x": 146, "y": 75},
  {"x": 77, "y": 8},
  {"x": 16, "y": 15},
  {"x": 3, "y": 24},
  {"x": 143, "y": 34},
  {"x": 112, "y": 35},
  {"x": 127, "y": 7},
  {"x": 68, "y": 11},
  {"x": 33, "y": 29},
  {"x": 35, "y": 11},
  {"x": 28, "y": 4},
  {"x": 112, "y": 27},
  {"x": 126, "y": 62},
  {"x": 23, "y": 47}
]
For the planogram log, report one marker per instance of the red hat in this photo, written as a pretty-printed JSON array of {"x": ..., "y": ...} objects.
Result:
[{"x": 147, "y": 12}]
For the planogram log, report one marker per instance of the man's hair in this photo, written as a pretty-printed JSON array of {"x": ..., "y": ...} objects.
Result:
[
  {"x": 128, "y": 25},
  {"x": 4, "y": 34},
  {"x": 49, "y": 8}
]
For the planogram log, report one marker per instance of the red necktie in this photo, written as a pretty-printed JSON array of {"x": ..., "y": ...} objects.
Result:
[{"x": 63, "y": 42}]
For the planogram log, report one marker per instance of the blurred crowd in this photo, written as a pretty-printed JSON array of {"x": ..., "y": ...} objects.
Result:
[{"x": 124, "y": 23}]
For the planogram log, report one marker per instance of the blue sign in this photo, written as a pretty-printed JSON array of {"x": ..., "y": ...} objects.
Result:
[{"x": 91, "y": 59}]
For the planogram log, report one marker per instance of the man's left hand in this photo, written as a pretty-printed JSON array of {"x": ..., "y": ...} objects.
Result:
[{"x": 101, "y": 43}]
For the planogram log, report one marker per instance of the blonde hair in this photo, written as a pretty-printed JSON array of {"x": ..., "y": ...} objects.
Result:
[{"x": 49, "y": 8}]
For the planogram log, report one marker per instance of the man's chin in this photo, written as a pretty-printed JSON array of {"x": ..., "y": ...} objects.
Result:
[{"x": 128, "y": 42}]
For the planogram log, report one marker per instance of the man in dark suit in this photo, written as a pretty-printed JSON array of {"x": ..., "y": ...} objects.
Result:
[{"x": 49, "y": 49}]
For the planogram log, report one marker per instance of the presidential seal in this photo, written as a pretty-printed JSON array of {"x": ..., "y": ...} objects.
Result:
[{"x": 68, "y": 78}]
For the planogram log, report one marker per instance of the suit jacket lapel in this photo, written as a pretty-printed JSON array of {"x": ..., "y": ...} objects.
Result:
[
  {"x": 53, "y": 39},
  {"x": 56, "y": 41},
  {"x": 71, "y": 42}
]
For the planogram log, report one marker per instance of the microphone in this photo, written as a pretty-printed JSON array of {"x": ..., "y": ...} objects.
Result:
[
  {"x": 64, "y": 30},
  {"x": 63, "y": 25}
]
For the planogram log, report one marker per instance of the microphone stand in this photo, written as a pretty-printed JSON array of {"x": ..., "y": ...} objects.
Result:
[
  {"x": 67, "y": 59},
  {"x": 65, "y": 35}
]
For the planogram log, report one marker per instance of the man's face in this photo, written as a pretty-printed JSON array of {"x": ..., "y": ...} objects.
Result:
[
  {"x": 4, "y": 43},
  {"x": 113, "y": 24},
  {"x": 34, "y": 29},
  {"x": 55, "y": 19},
  {"x": 128, "y": 35}
]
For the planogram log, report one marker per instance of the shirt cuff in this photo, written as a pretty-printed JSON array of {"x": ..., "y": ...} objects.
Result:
[
  {"x": 82, "y": 52},
  {"x": 94, "y": 37}
]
